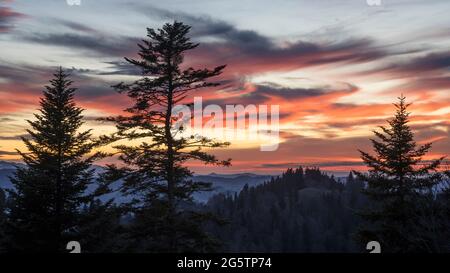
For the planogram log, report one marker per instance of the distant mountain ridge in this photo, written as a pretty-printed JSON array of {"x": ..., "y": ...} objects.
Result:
[
  {"x": 298, "y": 211},
  {"x": 9, "y": 164},
  {"x": 228, "y": 183},
  {"x": 7, "y": 169},
  {"x": 221, "y": 183}
]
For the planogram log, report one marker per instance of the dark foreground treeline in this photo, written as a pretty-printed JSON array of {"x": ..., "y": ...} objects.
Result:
[{"x": 303, "y": 210}]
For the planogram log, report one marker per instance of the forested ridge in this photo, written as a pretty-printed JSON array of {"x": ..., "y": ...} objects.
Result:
[{"x": 303, "y": 210}]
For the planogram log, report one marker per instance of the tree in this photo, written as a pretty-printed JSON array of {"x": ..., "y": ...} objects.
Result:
[
  {"x": 154, "y": 172},
  {"x": 354, "y": 186},
  {"x": 2, "y": 215},
  {"x": 101, "y": 228},
  {"x": 2, "y": 202},
  {"x": 50, "y": 190},
  {"x": 431, "y": 230},
  {"x": 396, "y": 182}
]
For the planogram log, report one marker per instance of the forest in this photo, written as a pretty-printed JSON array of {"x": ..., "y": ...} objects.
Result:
[
  {"x": 299, "y": 211},
  {"x": 402, "y": 201}
]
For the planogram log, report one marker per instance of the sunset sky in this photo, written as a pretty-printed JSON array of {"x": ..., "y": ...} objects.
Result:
[{"x": 333, "y": 67}]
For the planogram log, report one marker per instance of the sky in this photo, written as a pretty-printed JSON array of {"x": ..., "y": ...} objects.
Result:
[{"x": 334, "y": 67}]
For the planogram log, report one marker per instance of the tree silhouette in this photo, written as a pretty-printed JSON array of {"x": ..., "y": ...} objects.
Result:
[
  {"x": 2, "y": 216},
  {"x": 396, "y": 181},
  {"x": 49, "y": 191},
  {"x": 154, "y": 171}
]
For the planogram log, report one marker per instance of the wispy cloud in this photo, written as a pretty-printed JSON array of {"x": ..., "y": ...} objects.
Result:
[
  {"x": 7, "y": 18},
  {"x": 334, "y": 76}
]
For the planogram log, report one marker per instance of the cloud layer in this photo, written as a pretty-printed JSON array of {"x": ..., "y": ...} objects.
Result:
[{"x": 332, "y": 90}]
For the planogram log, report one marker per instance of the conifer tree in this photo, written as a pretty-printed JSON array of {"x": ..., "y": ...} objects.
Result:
[
  {"x": 50, "y": 190},
  {"x": 2, "y": 216},
  {"x": 100, "y": 228},
  {"x": 2, "y": 202},
  {"x": 154, "y": 171},
  {"x": 396, "y": 180}
]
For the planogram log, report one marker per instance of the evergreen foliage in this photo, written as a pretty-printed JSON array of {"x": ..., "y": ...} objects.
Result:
[
  {"x": 45, "y": 205},
  {"x": 398, "y": 181},
  {"x": 154, "y": 172}
]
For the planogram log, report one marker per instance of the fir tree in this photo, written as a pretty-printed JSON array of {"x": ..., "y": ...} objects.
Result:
[
  {"x": 2, "y": 216},
  {"x": 154, "y": 171},
  {"x": 2, "y": 203},
  {"x": 49, "y": 191},
  {"x": 396, "y": 181},
  {"x": 100, "y": 227}
]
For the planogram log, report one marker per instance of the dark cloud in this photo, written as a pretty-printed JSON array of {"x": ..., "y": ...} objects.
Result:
[
  {"x": 7, "y": 153},
  {"x": 40, "y": 75},
  {"x": 247, "y": 49},
  {"x": 431, "y": 131},
  {"x": 122, "y": 68},
  {"x": 115, "y": 68},
  {"x": 25, "y": 74},
  {"x": 425, "y": 84},
  {"x": 29, "y": 81},
  {"x": 201, "y": 25},
  {"x": 417, "y": 67},
  {"x": 16, "y": 137},
  {"x": 80, "y": 71},
  {"x": 7, "y": 17},
  {"x": 351, "y": 123},
  {"x": 428, "y": 63},
  {"x": 12, "y": 73},
  {"x": 100, "y": 45},
  {"x": 443, "y": 145},
  {"x": 92, "y": 91},
  {"x": 352, "y": 50},
  {"x": 5, "y": 119},
  {"x": 76, "y": 35},
  {"x": 284, "y": 134},
  {"x": 75, "y": 26},
  {"x": 253, "y": 43},
  {"x": 263, "y": 93},
  {"x": 312, "y": 164},
  {"x": 424, "y": 74},
  {"x": 251, "y": 53},
  {"x": 93, "y": 118},
  {"x": 274, "y": 90}
]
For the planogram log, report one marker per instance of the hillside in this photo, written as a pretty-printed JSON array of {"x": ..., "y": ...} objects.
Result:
[
  {"x": 221, "y": 183},
  {"x": 300, "y": 211}
]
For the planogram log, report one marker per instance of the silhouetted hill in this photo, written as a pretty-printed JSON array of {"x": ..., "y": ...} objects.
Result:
[
  {"x": 221, "y": 183},
  {"x": 228, "y": 183},
  {"x": 299, "y": 211},
  {"x": 7, "y": 169}
]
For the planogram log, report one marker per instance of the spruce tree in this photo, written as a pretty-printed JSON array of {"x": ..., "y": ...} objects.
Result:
[
  {"x": 396, "y": 181},
  {"x": 50, "y": 190},
  {"x": 155, "y": 173},
  {"x": 2, "y": 217},
  {"x": 2, "y": 203},
  {"x": 100, "y": 228}
]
